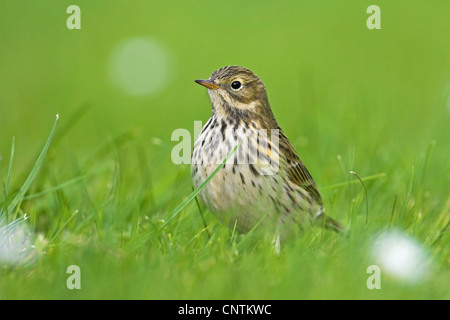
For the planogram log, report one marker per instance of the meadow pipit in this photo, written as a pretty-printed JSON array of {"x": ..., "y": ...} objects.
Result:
[{"x": 263, "y": 181}]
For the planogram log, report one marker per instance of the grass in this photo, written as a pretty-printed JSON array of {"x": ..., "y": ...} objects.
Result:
[
  {"x": 103, "y": 193},
  {"x": 135, "y": 241}
]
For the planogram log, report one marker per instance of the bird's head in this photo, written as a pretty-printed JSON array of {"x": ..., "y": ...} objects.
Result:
[{"x": 236, "y": 90}]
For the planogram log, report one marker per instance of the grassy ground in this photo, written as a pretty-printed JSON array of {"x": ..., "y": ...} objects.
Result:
[{"x": 350, "y": 99}]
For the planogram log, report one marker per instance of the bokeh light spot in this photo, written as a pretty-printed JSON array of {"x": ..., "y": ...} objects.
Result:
[
  {"x": 401, "y": 257},
  {"x": 140, "y": 66}
]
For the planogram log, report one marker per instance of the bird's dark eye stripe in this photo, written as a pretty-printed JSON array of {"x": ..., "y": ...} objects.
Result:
[{"x": 236, "y": 85}]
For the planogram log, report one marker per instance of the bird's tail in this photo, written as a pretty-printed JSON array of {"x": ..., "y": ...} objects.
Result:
[{"x": 326, "y": 222}]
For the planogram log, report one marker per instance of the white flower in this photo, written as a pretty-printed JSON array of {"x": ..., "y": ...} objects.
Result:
[{"x": 401, "y": 257}]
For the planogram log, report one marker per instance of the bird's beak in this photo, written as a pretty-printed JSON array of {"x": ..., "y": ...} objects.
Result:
[{"x": 208, "y": 84}]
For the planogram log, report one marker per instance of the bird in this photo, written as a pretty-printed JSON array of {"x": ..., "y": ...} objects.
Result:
[{"x": 262, "y": 180}]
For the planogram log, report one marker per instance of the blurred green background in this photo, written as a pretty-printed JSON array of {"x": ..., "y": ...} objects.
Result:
[
  {"x": 319, "y": 61},
  {"x": 378, "y": 98}
]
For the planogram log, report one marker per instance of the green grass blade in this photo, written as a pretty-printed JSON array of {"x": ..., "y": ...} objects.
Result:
[
  {"x": 10, "y": 166},
  {"x": 11, "y": 158},
  {"x": 175, "y": 211},
  {"x": 203, "y": 218},
  {"x": 20, "y": 194},
  {"x": 365, "y": 192},
  {"x": 64, "y": 225},
  {"x": 13, "y": 223},
  {"x": 427, "y": 161},
  {"x": 56, "y": 188},
  {"x": 246, "y": 236},
  {"x": 194, "y": 193},
  {"x": 346, "y": 183}
]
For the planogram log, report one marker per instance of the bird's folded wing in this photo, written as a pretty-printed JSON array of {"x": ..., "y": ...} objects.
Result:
[{"x": 296, "y": 170}]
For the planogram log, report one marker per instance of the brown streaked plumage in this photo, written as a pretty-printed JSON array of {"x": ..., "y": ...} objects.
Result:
[{"x": 264, "y": 177}]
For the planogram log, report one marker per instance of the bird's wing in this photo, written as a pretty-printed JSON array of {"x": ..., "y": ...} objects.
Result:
[{"x": 296, "y": 170}]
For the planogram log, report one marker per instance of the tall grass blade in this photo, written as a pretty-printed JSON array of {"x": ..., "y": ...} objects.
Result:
[
  {"x": 175, "y": 211},
  {"x": 346, "y": 183},
  {"x": 365, "y": 192},
  {"x": 21, "y": 193},
  {"x": 203, "y": 218},
  {"x": 11, "y": 158},
  {"x": 194, "y": 193}
]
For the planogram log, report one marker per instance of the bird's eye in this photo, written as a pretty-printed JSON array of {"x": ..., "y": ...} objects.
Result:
[{"x": 236, "y": 85}]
